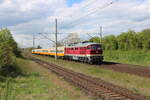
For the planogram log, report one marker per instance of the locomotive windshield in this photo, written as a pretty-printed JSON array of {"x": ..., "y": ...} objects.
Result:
[{"x": 95, "y": 47}]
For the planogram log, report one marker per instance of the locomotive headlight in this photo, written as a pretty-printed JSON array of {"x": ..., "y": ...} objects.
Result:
[{"x": 99, "y": 48}]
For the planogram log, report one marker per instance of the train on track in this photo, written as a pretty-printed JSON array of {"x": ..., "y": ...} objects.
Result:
[{"x": 87, "y": 52}]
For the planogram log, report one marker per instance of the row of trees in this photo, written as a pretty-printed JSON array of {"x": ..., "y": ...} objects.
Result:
[
  {"x": 8, "y": 49},
  {"x": 126, "y": 41}
]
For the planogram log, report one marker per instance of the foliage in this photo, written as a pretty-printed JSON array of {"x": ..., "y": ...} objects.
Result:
[
  {"x": 138, "y": 57},
  {"x": 6, "y": 55},
  {"x": 39, "y": 47},
  {"x": 110, "y": 43},
  {"x": 95, "y": 39},
  {"x": 8, "y": 50},
  {"x": 130, "y": 40},
  {"x": 5, "y": 36},
  {"x": 144, "y": 36}
]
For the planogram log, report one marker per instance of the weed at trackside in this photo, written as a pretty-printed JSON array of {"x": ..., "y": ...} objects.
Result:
[{"x": 129, "y": 57}]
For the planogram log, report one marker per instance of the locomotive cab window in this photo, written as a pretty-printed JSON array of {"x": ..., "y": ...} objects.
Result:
[{"x": 96, "y": 47}]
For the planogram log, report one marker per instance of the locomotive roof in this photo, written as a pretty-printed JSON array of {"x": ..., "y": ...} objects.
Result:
[{"x": 82, "y": 44}]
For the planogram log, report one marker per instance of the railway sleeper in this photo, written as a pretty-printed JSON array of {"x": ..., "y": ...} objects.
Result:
[
  {"x": 83, "y": 79},
  {"x": 111, "y": 96}
]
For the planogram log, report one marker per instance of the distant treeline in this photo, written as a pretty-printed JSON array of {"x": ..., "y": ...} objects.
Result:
[
  {"x": 8, "y": 50},
  {"x": 130, "y": 40}
]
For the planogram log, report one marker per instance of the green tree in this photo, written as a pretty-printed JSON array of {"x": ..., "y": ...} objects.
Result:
[
  {"x": 7, "y": 48},
  {"x": 127, "y": 40},
  {"x": 95, "y": 39},
  {"x": 144, "y": 39},
  {"x": 5, "y": 35},
  {"x": 39, "y": 47},
  {"x": 110, "y": 43},
  {"x": 6, "y": 55}
]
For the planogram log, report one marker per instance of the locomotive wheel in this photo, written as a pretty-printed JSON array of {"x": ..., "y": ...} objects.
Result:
[
  {"x": 90, "y": 62},
  {"x": 99, "y": 63}
]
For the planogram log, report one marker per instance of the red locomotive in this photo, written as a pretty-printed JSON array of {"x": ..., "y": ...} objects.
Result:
[{"x": 88, "y": 52}]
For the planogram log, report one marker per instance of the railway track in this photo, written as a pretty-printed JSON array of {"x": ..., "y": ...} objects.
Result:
[
  {"x": 98, "y": 88},
  {"x": 127, "y": 68},
  {"x": 123, "y": 68}
]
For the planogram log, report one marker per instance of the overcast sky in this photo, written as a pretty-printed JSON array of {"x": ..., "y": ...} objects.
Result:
[{"x": 27, "y": 17}]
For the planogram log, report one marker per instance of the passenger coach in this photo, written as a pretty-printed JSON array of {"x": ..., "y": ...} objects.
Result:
[{"x": 50, "y": 52}]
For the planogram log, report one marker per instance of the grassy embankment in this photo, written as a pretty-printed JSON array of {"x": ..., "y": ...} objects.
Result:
[
  {"x": 128, "y": 57},
  {"x": 132, "y": 82},
  {"x": 37, "y": 83}
]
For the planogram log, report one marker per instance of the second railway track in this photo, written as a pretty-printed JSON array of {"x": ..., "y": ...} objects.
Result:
[
  {"x": 98, "y": 88},
  {"x": 138, "y": 70}
]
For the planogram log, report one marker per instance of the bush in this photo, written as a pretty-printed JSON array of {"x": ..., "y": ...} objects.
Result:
[
  {"x": 8, "y": 52},
  {"x": 6, "y": 55}
]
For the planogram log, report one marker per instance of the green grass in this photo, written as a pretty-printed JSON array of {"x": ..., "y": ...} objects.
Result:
[
  {"x": 128, "y": 57},
  {"x": 37, "y": 83},
  {"x": 132, "y": 82},
  {"x": 35, "y": 88}
]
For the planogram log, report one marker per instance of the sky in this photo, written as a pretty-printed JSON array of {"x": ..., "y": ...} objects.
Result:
[
  {"x": 26, "y": 18},
  {"x": 71, "y": 2}
]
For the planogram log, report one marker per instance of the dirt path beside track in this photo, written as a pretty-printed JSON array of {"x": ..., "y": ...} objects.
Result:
[{"x": 127, "y": 68}]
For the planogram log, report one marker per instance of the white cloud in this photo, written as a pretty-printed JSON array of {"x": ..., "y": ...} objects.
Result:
[{"x": 27, "y": 17}]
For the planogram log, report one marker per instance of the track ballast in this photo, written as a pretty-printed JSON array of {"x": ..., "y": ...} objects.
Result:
[{"x": 96, "y": 87}]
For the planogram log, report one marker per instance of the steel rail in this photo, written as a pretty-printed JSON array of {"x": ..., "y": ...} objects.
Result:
[{"x": 98, "y": 88}]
